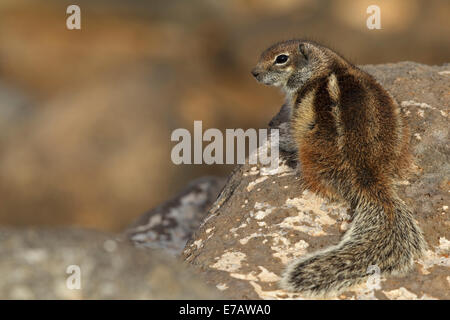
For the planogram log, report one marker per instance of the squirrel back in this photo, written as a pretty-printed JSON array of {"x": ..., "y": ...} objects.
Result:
[{"x": 353, "y": 143}]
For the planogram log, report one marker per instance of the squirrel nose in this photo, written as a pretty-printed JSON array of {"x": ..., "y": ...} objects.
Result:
[{"x": 255, "y": 73}]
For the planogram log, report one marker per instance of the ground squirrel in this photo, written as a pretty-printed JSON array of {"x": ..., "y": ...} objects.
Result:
[{"x": 352, "y": 144}]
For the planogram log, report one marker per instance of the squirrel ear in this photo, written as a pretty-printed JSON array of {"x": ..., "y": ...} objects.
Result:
[{"x": 302, "y": 49}]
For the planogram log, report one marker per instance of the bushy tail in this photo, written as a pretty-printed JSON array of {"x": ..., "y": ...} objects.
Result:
[{"x": 391, "y": 243}]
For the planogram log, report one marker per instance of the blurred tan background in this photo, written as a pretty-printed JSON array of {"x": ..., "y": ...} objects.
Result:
[{"x": 86, "y": 116}]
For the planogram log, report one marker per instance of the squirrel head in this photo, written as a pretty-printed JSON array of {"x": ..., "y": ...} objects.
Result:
[{"x": 290, "y": 64}]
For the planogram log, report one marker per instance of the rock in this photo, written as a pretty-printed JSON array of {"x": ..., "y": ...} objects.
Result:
[
  {"x": 170, "y": 225},
  {"x": 250, "y": 234},
  {"x": 35, "y": 265}
]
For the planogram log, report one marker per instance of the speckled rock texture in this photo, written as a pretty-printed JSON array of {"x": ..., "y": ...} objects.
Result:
[
  {"x": 170, "y": 225},
  {"x": 263, "y": 220},
  {"x": 34, "y": 265}
]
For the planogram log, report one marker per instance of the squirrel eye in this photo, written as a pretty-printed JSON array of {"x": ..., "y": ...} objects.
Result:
[{"x": 282, "y": 58}]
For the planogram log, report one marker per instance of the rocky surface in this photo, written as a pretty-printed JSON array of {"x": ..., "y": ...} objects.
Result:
[
  {"x": 170, "y": 225},
  {"x": 262, "y": 220},
  {"x": 41, "y": 264}
]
